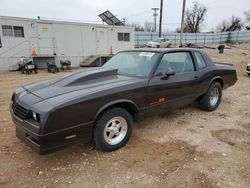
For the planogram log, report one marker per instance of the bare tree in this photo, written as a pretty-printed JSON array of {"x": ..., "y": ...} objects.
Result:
[
  {"x": 247, "y": 15},
  {"x": 177, "y": 30},
  {"x": 149, "y": 26},
  {"x": 233, "y": 24},
  {"x": 137, "y": 27},
  {"x": 194, "y": 18}
]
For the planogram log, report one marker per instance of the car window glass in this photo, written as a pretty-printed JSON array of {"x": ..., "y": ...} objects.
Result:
[
  {"x": 133, "y": 63},
  {"x": 125, "y": 61},
  {"x": 200, "y": 61},
  {"x": 179, "y": 62}
]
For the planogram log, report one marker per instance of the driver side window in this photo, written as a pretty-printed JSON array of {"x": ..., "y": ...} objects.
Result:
[{"x": 179, "y": 62}]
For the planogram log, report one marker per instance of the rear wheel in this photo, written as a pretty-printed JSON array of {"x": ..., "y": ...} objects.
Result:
[
  {"x": 113, "y": 129},
  {"x": 211, "y": 100}
]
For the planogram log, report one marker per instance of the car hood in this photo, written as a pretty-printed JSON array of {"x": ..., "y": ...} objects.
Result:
[{"x": 85, "y": 82}]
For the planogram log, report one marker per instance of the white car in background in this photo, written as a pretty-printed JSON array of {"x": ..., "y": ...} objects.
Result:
[{"x": 159, "y": 43}]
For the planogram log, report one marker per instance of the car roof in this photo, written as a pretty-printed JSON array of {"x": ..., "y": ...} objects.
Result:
[{"x": 161, "y": 50}]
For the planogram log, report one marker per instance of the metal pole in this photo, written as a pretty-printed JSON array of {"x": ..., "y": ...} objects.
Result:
[
  {"x": 182, "y": 22},
  {"x": 155, "y": 14},
  {"x": 237, "y": 36},
  {"x": 175, "y": 42},
  {"x": 160, "y": 23}
]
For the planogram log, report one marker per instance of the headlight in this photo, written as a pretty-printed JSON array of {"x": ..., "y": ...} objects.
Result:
[{"x": 35, "y": 116}]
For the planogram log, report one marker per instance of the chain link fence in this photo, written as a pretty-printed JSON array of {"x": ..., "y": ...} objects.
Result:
[{"x": 141, "y": 38}]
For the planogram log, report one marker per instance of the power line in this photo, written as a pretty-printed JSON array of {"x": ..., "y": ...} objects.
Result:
[{"x": 139, "y": 13}]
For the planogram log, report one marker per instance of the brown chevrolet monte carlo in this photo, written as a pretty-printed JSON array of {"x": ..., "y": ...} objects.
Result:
[{"x": 100, "y": 104}]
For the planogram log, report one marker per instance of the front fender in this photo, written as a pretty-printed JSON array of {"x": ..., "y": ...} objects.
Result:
[{"x": 112, "y": 103}]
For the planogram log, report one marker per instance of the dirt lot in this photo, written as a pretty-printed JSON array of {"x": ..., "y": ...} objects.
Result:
[{"x": 182, "y": 148}]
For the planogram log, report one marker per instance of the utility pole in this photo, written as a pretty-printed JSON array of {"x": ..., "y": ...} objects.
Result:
[
  {"x": 160, "y": 23},
  {"x": 155, "y": 15},
  {"x": 182, "y": 22}
]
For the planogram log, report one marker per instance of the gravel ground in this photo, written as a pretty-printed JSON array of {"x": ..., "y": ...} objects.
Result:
[{"x": 183, "y": 148}]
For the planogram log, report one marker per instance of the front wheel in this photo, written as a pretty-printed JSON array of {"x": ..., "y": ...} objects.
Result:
[
  {"x": 211, "y": 100},
  {"x": 113, "y": 129}
]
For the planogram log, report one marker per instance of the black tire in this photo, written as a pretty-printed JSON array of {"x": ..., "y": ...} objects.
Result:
[
  {"x": 102, "y": 122},
  {"x": 248, "y": 74},
  {"x": 205, "y": 102}
]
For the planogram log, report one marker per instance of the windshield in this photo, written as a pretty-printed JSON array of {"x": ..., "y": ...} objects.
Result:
[
  {"x": 157, "y": 40},
  {"x": 133, "y": 63},
  {"x": 160, "y": 40}
]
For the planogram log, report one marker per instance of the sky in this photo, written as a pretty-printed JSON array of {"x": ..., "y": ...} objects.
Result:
[{"x": 133, "y": 11}]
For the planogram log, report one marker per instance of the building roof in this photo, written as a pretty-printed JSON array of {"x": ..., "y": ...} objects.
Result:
[{"x": 59, "y": 21}]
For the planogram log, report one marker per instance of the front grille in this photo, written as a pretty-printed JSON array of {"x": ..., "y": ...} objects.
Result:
[{"x": 20, "y": 111}]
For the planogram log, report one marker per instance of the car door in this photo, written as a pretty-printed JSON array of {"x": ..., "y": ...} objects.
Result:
[{"x": 173, "y": 90}]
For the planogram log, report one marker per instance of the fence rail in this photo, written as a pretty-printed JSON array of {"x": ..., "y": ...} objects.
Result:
[{"x": 141, "y": 38}]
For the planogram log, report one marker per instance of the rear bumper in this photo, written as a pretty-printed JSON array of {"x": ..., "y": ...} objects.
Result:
[{"x": 47, "y": 143}]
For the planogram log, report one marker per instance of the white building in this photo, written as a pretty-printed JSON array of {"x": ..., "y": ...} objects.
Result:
[{"x": 58, "y": 40}]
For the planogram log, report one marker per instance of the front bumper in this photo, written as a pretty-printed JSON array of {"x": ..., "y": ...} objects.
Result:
[{"x": 47, "y": 143}]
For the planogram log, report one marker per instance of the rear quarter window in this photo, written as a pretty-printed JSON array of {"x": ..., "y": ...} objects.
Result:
[{"x": 200, "y": 60}]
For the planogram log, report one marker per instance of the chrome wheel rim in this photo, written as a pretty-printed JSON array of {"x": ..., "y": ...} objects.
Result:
[
  {"x": 214, "y": 96},
  {"x": 115, "y": 130}
]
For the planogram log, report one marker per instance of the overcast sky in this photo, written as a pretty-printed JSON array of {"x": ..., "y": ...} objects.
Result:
[{"x": 134, "y": 11}]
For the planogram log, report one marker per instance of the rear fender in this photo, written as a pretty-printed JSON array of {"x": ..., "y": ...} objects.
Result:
[{"x": 218, "y": 79}]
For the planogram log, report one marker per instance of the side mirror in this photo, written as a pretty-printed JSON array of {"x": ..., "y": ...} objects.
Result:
[{"x": 168, "y": 74}]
